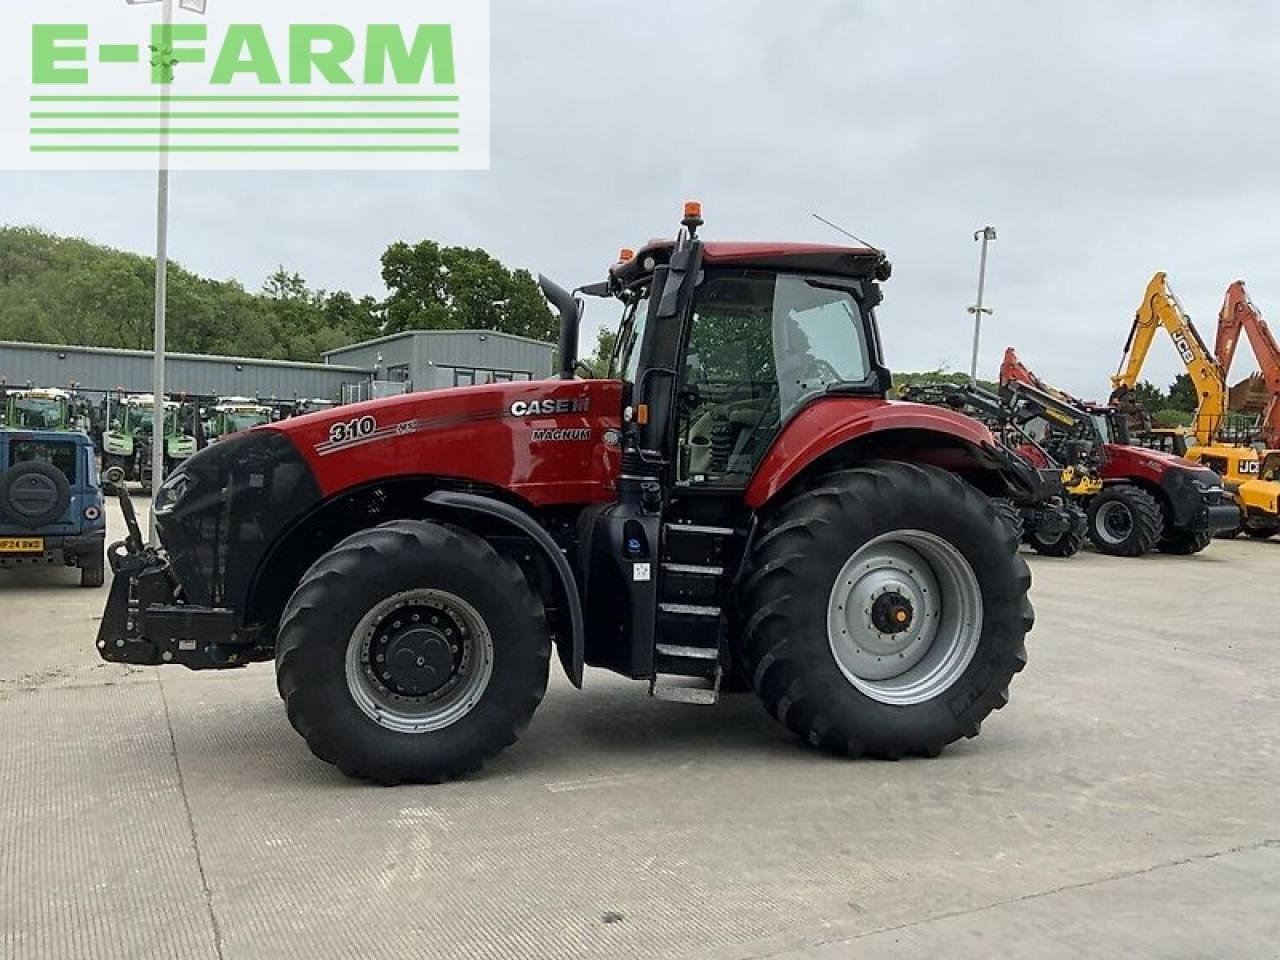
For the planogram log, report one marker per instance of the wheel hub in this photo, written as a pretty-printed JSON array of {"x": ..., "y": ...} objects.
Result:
[
  {"x": 891, "y": 613},
  {"x": 418, "y": 661},
  {"x": 1115, "y": 522},
  {"x": 904, "y": 617}
]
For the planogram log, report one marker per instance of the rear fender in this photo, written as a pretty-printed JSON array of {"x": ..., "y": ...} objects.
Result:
[
  {"x": 839, "y": 431},
  {"x": 570, "y": 649}
]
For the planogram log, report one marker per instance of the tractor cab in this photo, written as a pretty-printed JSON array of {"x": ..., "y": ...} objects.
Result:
[
  {"x": 40, "y": 409},
  {"x": 231, "y": 415}
]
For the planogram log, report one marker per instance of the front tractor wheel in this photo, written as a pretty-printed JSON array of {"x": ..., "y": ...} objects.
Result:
[
  {"x": 887, "y": 611},
  {"x": 1125, "y": 521},
  {"x": 412, "y": 652}
]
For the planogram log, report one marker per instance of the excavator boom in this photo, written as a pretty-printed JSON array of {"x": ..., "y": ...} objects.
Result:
[
  {"x": 1239, "y": 313},
  {"x": 1160, "y": 308}
]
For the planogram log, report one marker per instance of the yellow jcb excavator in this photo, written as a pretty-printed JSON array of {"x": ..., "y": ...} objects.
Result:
[{"x": 1237, "y": 464}]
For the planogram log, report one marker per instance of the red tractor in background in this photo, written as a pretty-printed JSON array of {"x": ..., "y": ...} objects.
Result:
[
  {"x": 737, "y": 498},
  {"x": 1150, "y": 500}
]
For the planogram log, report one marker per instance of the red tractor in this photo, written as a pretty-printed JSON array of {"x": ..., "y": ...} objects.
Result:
[
  {"x": 737, "y": 500},
  {"x": 1150, "y": 499}
]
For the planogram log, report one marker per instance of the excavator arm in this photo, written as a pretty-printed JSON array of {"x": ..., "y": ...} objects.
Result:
[
  {"x": 1160, "y": 308},
  {"x": 1239, "y": 313}
]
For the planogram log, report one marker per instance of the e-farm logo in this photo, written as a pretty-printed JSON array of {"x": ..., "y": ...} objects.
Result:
[{"x": 246, "y": 84}]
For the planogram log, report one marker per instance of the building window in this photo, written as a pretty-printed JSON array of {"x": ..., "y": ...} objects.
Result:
[
  {"x": 399, "y": 373},
  {"x": 464, "y": 378}
]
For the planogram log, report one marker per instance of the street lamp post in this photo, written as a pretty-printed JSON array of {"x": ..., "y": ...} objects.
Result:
[
  {"x": 985, "y": 235},
  {"x": 162, "y": 59},
  {"x": 162, "y": 267}
]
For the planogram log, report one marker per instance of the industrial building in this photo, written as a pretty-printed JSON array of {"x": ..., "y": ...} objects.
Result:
[
  {"x": 416, "y": 360},
  {"x": 108, "y": 370},
  {"x": 432, "y": 359}
]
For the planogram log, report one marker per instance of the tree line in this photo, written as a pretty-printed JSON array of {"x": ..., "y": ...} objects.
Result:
[{"x": 68, "y": 290}]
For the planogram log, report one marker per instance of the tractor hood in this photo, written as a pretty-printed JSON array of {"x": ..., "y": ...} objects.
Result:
[
  {"x": 1155, "y": 460},
  {"x": 549, "y": 441}
]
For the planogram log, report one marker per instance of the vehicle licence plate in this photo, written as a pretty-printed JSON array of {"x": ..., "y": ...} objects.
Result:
[{"x": 21, "y": 544}]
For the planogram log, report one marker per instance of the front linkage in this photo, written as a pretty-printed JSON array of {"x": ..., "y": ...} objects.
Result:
[{"x": 144, "y": 604}]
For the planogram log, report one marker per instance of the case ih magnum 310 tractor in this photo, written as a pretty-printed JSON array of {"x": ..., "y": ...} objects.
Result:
[{"x": 738, "y": 498}]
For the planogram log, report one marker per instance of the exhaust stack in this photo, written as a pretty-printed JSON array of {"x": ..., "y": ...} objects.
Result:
[{"x": 570, "y": 311}]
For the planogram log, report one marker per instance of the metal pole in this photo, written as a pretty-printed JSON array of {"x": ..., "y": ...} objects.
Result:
[
  {"x": 986, "y": 235},
  {"x": 162, "y": 270}
]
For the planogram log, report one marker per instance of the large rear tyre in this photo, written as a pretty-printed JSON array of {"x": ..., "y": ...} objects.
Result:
[
  {"x": 1125, "y": 521},
  {"x": 887, "y": 611},
  {"x": 1184, "y": 543},
  {"x": 412, "y": 652}
]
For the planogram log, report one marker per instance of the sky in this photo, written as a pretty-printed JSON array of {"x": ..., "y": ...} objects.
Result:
[{"x": 1104, "y": 140}]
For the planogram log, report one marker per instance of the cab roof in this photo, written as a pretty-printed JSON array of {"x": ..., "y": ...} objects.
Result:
[{"x": 862, "y": 263}]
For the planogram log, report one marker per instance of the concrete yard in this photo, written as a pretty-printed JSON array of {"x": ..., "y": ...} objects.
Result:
[{"x": 1123, "y": 805}]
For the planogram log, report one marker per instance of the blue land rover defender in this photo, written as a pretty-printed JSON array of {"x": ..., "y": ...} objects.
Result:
[{"x": 51, "y": 508}]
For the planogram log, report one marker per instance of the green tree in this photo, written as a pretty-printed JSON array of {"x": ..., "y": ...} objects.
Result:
[
  {"x": 1182, "y": 394},
  {"x": 456, "y": 288},
  {"x": 598, "y": 362},
  {"x": 1149, "y": 396}
]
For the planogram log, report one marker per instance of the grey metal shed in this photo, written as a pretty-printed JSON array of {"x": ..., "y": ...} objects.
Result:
[
  {"x": 106, "y": 369},
  {"x": 431, "y": 359}
]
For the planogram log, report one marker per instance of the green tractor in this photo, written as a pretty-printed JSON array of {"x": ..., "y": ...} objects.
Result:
[
  {"x": 127, "y": 443},
  {"x": 45, "y": 408},
  {"x": 230, "y": 415}
]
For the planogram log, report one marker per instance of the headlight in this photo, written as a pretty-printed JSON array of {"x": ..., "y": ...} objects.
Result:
[{"x": 171, "y": 493}]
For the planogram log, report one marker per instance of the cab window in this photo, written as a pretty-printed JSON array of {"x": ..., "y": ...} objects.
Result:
[
  {"x": 626, "y": 352},
  {"x": 759, "y": 346}
]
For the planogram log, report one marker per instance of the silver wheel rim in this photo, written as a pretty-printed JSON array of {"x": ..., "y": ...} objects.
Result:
[
  {"x": 1114, "y": 522},
  {"x": 393, "y": 694},
  {"x": 904, "y": 618}
]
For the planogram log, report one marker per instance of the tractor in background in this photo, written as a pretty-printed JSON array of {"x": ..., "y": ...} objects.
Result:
[
  {"x": 1150, "y": 500},
  {"x": 128, "y": 440},
  {"x": 1049, "y": 520},
  {"x": 231, "y": 415}
]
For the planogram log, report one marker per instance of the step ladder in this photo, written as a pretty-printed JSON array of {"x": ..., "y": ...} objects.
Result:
[{"x": 692, "y": 587}]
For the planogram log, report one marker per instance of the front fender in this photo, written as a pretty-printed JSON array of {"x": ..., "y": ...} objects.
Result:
[
  {"x": 571, "y": 653},
  {"x": 826, "y": 425}
]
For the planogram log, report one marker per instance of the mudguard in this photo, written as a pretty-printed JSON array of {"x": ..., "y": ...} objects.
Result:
[
  {"x": 570, "y": 653},
  {"x": 833, "y": 421}
]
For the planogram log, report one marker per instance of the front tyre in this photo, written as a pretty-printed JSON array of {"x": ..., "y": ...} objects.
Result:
[
  {"x": 1184, "y": 543},
  {"x": 412, "y": 652},
  {"x": 887, "y": 611}
]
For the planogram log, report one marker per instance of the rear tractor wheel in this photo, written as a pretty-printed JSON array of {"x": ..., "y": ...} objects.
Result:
[
  {"x": 1125, "y": 521},
  {"x": 922, "y": 617},
  {"x": 412, "y": 652}
]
